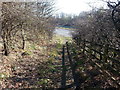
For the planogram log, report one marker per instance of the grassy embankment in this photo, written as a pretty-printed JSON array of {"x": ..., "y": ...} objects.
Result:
[
  {"x": 43, "y": 62},
  {"x": 66, "y": 28}
]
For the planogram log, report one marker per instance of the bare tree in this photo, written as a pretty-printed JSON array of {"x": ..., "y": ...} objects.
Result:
[
  {"x": 97, "y": 27},
  {"x": 115, "y": 6},
  {"x": 22, "y": 20},
  {"x": 10, "y": 18}
]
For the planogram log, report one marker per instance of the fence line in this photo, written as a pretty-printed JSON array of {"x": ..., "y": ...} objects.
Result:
[
  {"x": 107, "y": 59},
  {"x": 104, "y": 57}
]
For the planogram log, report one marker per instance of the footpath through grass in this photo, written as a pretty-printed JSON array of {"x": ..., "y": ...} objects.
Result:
[{"x": 35, "y": 67}]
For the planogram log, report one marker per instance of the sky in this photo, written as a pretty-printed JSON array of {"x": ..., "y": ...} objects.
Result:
[{"x": 77, "y": 6}]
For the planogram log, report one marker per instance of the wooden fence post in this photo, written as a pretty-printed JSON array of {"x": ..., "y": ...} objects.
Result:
[
  {"x": 90, "y": 48},
  {"x": 75, "y": 77},
  {"x": 84, "y": 46},
  {"x": 106, "y": 52},
  {"x": 63, "y": 82},
  {"x": 100, "y": 56}
]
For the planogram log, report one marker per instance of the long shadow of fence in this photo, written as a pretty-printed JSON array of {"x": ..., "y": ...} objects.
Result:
[
  {"x": 64, "y": 69},
  {"x": 106, "y": 60}
]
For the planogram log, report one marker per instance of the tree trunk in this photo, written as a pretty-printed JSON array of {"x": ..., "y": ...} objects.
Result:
[
  {"x": 6, "y": 49},
  {"x": 23, "y": 39}
]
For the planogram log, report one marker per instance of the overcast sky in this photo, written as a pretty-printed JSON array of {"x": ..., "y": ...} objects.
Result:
[
  {"x": 73, "y": 6},
  {"x": 77, "y": 6}
]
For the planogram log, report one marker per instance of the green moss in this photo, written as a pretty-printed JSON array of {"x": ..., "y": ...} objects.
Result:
[
  {"x": 44, "y": 81},
  {"x": 52, "y": 68},
  {"x": 51, "y": 59},
  {"x": 3, "y": 75},
  {"x": 54, "y": 53},
  {"x": 26, "y": 52},
  {"x": 61, "y": 39},
  {"x": 33, "y": 47},
  {"x": 59, "y": 46}
]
